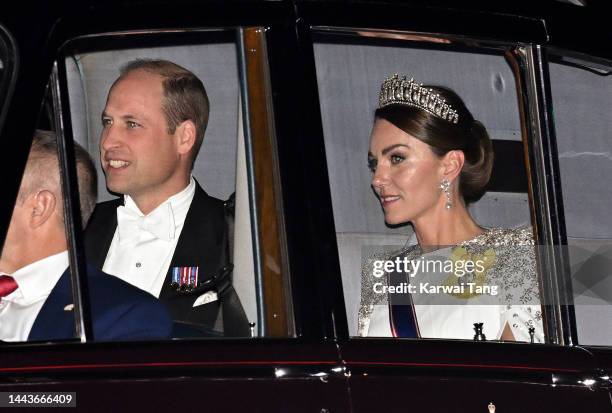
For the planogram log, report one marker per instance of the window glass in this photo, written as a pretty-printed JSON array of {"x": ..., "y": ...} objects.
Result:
[
  {"x": 37, "y": 303},
  {"x": 350, "y": 71},
  {"x": 581, "y": 90},
  {"x": 172, "y": 234},
  {"x": 221, "y": 230}
]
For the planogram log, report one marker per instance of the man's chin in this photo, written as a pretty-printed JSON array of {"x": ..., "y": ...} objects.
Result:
[{"x": 116, "y": 189}]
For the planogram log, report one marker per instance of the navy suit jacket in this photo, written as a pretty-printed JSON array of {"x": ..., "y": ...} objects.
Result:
[{"x": 119, "y": 311}]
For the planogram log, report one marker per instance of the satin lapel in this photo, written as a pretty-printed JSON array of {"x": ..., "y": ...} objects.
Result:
[
  {"x": 201, "y": 241},
  {"x": 53, "y": 322},
  {"x": 100, "y": 231}
]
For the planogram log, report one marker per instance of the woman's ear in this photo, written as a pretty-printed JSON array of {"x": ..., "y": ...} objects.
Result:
[
  {"x": 43, "y": 205},
  {"x": 452, "y": 163}
]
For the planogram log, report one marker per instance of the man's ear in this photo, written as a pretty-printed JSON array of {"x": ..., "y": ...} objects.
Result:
[
  {"x": 43, "y": 206},
  {"x": 452, "y": 163},
  {"x": 186, "y": 134}
]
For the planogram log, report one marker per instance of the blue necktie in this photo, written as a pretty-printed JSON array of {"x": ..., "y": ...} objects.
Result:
[{"x": 401, "y": 310}]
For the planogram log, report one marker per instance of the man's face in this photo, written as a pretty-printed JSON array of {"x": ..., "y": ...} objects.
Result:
[{"x": 138, "y": 155}]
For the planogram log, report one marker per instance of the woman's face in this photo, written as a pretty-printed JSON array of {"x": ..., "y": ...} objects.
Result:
[{"x": 406, "y": 173}]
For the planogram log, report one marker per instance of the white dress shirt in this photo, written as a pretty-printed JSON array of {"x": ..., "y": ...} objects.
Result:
[
  {"x": 141, "y": 258},
  {"x": 19, "y": 309}
]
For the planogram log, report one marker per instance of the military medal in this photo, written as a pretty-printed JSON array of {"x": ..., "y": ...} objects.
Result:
[{"x": 184, "y": 278}]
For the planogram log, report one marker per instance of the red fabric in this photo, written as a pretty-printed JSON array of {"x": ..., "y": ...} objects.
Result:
[{"x": 7, "y": 285}]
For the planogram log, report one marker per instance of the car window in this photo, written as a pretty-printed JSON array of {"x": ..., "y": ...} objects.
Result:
[
  {"x": 203, "y": 269},
  {"x": 351, "y": 66},
  {"x": 37, "y": 302},
  {"x": 581, "y": 90}
]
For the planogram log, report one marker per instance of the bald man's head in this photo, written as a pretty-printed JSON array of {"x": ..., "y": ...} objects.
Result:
[{"x": 43, "y": 173}]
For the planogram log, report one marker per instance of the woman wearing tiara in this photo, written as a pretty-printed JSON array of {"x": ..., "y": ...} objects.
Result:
[{"x": 429, "y": 159}]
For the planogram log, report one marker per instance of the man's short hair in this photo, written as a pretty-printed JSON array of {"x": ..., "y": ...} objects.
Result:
[
  {"x": 184, "y": 99},
  {"x": 42, "y": 171}
]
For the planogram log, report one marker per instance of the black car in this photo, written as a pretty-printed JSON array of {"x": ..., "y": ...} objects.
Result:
[{"x": 293, "y": 86}]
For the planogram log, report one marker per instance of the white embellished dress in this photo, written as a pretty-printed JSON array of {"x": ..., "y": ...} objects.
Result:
[{"x": 502, "y": 291}]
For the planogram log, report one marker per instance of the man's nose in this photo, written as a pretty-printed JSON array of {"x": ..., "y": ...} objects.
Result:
[{"x": 109, "y": 138}]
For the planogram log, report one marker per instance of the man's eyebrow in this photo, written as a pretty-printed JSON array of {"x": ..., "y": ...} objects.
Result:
[
  {"x": 126, "y": 116},
  {"x": 390, "y": 148}
]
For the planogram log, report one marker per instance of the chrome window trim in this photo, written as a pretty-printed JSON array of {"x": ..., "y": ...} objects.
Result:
[
  {"x": 253, "y": 210},
  {"x": 419, "y": 37},
  {"x": 149, "y": 32},
  {"x": 554, "y": 264},
  {"x": 599, "y": 65},
  {"x": 71, "y": 205}
]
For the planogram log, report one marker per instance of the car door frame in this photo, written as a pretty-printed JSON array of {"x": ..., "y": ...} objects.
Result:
[
  {"x": 387, "y": 358},
  {"x": 309, "y": 360}
]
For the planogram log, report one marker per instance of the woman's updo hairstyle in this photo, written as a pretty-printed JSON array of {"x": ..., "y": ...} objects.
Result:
[{"x": 442, "y": 135}]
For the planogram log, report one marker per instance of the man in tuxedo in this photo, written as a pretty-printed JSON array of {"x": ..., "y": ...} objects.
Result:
[
  {"x": 35, "y": 286},
  {"x": 165, "y": 235}
]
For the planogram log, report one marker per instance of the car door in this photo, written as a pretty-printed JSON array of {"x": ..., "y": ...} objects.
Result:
[
  {"x": 496, "y": 69},
  {"x": 245, "y": 53}
]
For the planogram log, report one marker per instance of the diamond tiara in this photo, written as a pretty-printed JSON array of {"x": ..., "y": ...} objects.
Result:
[{"x": 399, "y": 90}]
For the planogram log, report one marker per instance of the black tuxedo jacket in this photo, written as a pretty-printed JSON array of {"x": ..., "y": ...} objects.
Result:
[{"x": 202, "y": 243}]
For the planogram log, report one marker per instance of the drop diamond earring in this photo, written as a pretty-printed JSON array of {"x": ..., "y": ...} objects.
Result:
[{"x": 445, "y": 187}]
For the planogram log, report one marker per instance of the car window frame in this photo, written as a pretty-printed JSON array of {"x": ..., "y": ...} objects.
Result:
[
  {"x": 274, "y": 308},
  {"x": 537, "y": 133}
]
